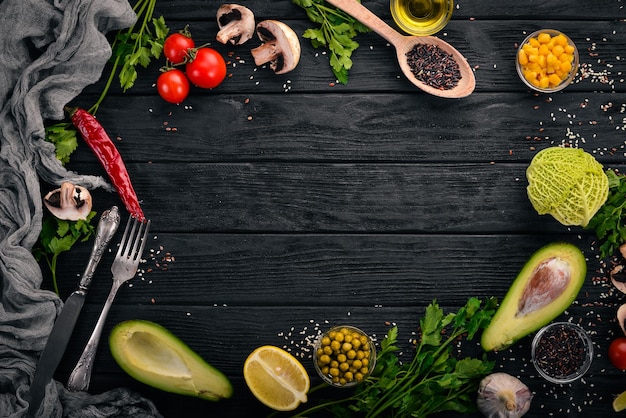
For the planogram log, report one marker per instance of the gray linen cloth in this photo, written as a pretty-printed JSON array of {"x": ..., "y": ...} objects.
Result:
[{"x": 49, "y": 51}]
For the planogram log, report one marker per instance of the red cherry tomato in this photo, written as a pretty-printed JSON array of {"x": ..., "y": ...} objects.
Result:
[
  {"x": 617, "y": 353},
  {"x": 173, "y": 86},
  {"x": 176, "y": 47},
  {"x": 208, "y": 68}
]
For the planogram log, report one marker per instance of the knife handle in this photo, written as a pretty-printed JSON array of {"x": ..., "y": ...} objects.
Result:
[{"x": 109, "y": 222}]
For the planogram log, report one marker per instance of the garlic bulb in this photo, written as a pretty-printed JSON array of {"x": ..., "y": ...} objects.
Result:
[{"x": 501, "y": 395}]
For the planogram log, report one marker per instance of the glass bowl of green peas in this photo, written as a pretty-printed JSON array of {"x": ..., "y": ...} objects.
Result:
[{"x": 344, "y": 356}]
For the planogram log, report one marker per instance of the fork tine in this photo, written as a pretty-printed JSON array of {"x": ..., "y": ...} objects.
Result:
[
  {"x": 124, "y": 237},
  {"x": 133, "y": 238},
  {"x": 140, "y": 240}
]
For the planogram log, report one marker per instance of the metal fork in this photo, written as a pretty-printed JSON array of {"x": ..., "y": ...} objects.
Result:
[{"x": 124, "y": 268}]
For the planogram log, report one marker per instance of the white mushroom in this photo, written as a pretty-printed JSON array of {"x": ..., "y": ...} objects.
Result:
[
  {"x": 69, "y": 202},
  {"x": 236, "y": 24},
  {"x": 281, "y": 46}
]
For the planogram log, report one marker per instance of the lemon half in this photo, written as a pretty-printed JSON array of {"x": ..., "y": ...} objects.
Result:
[
  {"x": 619, "y": 403},
  {"x": 276, "y": 378}
]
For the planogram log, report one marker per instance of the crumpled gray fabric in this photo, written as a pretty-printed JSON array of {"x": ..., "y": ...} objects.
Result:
[{"x": 50, "y": 50}]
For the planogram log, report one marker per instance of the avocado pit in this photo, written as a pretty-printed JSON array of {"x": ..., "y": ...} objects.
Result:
[{"x": 547, "y": 283}]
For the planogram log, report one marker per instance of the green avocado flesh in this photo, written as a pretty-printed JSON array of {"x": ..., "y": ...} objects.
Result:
[
  {"x": 154, "y": 356},
  {"x": 545, "y": 287}
]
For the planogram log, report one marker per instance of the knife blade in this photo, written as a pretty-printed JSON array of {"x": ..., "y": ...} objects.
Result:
[{"x": 64, "y": 324}]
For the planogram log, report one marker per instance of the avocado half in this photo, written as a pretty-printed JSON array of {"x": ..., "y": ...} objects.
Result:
[
  {"x": 545, "y": 287},
  {"x": 151, "y": 354}
]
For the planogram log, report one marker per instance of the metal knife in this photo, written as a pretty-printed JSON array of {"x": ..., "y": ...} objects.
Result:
[{"x": 64, "y": 324}]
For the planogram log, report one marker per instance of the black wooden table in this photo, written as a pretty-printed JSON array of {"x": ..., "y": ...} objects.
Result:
[{"x": 282, "y": 205}]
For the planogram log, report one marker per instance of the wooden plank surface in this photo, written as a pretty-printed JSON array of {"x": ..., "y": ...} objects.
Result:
[{"x": 289, "y": 203}]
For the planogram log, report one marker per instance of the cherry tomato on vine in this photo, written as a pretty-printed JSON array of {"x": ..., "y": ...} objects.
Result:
[
  {"x": 617, "y": 353},
  {"x": 176, "y": 47},
  {"x": 173, "y": 86},
  {"x": 207, "y": 68}
]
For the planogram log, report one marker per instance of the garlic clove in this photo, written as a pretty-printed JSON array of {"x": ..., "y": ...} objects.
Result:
[
  {"x": 501, "y": 395},
  {"x": 69, "y": 202}
]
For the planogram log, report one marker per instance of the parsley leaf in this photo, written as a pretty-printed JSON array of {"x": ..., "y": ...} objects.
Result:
[
  {"x": 336, "y": 32},
  {"x": 58, "y": 236},
  {"x": 135, "y": 48},
  {"x": 608, "y": 222},
  {"x": 433, "y": 381},
  {"x": 64, "y": 138}
]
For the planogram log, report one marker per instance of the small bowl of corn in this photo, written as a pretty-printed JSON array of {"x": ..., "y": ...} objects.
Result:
[
  {"x": 344, "y": 356},
  {"x": 547, "y": 60}
]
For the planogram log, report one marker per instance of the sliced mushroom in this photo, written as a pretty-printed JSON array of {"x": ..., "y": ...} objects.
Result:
[
  {"x": 69, "y": 202},
  {"x": 281, "y": 46},
  {"x": 236, "y": 24}
]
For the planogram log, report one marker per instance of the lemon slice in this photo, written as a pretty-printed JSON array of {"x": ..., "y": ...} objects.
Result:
[
  {"x": 276, "y": 378},
  {"x": 619, "y": 403}
]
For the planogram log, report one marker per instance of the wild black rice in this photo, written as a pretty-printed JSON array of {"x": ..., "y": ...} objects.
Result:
[
  {"x": 433, "y": 66},
  {"x": 560, "y": 352}
]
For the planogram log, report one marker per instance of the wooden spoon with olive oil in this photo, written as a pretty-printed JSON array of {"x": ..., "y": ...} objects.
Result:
[{"x": 462, "y": 87}]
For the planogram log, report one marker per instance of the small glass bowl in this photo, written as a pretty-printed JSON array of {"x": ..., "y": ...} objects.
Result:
[
  {"x": 340, "y": 360},
  {"x": 421, "y": 17},
  {"x": 566, "y": 78},
  {"x": 562, "y": 352}
]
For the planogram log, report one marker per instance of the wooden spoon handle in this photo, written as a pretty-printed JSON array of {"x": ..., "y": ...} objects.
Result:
[{"x": 369, "y": 19}]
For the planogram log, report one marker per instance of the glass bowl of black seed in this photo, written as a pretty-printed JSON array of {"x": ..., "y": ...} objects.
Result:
[{"x": 562, "y": 352}]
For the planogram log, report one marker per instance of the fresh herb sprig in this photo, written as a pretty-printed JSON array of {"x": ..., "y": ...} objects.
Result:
[
  {"x": 433, "y": 381},
  {"x": 58, "y": 236},
  {"x": 608, "y": 222},
  {"x": 337, "y": 31}
]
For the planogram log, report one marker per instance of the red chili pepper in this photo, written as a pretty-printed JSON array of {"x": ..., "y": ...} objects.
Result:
[{"x": 98, "y": 140}]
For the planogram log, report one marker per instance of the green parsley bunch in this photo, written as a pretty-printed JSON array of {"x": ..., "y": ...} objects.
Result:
[
  {"x": 608, "y": 222},
  {"x": 336, "y": 31},
  {"x": 58, "y": 236},
  {"x": 433, "y": 381}
]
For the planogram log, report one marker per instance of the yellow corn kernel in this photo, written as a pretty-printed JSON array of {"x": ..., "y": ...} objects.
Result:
[
  {"x": 530, "y": 76},
  {"x": 544, "y": 50},
  {"x": 554, "y": 79},
  {"x": 522, "y": 57},
  {"x": 533, "y": 58},
  {"x": 552, "y": 60},
  {"x": 530, "y": 50},
  {"x": 558, "y": 50},
  {"x": 560, "y": 39},
  {"x": 544, "y": 82},
  {"x": 541, "y": 61},
  {"x": 544, "y": 38},
  {"x": 566, "y": 67},
  {"x": 533, "y": 42},
  {"x": 569, "y": 49}
]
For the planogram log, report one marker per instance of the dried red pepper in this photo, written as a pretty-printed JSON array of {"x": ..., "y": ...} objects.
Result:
[{"x": 98, "y": 140}]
